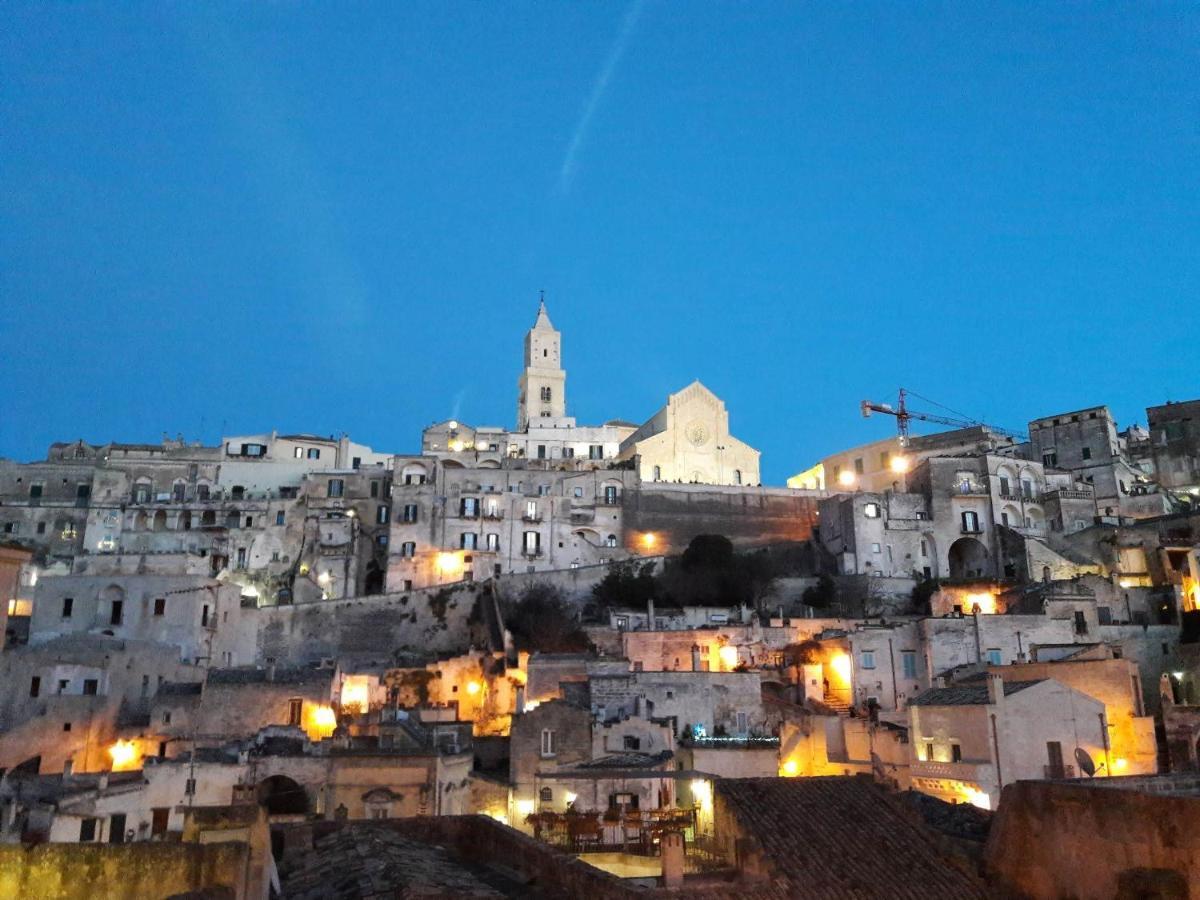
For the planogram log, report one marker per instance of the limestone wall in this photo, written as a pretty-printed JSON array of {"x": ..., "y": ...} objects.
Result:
[
  {"x": 1063, "y": 840},
  {"x": 369, "y": 629},
  {"x": 119, "y": 871}
]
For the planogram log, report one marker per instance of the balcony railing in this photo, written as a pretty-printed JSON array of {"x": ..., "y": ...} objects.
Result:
[{"x": 536, "y": 517}]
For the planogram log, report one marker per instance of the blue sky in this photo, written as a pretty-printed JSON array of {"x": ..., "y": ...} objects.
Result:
[{"x": 234, "y": 217}]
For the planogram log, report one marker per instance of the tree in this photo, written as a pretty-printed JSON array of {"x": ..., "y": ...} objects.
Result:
[
  {"x": 708, "y": 552},
  {"x": 627, "y": 585},
  {"x": 543, "y": 620},
  {"x": 823, "y": 594}
]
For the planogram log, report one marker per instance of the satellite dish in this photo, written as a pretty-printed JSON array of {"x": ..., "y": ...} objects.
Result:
[{"x": 1084, "y": 761}]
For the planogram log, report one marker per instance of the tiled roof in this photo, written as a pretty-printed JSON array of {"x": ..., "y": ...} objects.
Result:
[
  {"x": 628, "y": 760},
  {"x": 966, "y": 694},
  {"x": 841, "y": 837},
  {"x": 365, "y": 861}
]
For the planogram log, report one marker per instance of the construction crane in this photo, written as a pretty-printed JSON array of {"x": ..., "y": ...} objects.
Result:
[{"x": 904, "y": 415}]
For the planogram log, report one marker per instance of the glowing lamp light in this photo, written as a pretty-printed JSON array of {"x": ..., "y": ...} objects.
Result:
[
  {"x": 124, "y": 755},
  {"x": 570, "y": 797},
  {"x": 841, "y": 666},
  {"x": 453, "y": 425},
  {"x": 323, "y": 579},
  {"x": 456, "y": 445},
  {"x": 976, "y": 797},
  {"x": 790, "y": 769},
  {"x": 448, "y": 563},
  {"x": 729, "y": 656},
  {"x": 524, "y": 807},
  {"x": 985, "y": 602},
  {"x": 473, "y": 688},
  {"x": 321, "y": 722},
  {"x": 356, "y": 691},
  {"x": 702, "y": 792},
  {"x": 899, "y": 464},
  {"x": 649, "y": 539},
  {"x": 846, "y": 478},
  {"x": 1120, "y": 764}
]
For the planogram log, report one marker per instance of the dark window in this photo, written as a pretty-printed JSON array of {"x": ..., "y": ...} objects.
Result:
[
  {"x": 955, "y": 753},
  {"x": 160, "y": 815},
  {"x": 295, "y": 706},
  {"x": 541, "y": 451},
  {"x": 87, "y": 830},
  {"x": 1086, "y": 453},
  {"x": 41, "y": 527},
  {"x": 410, "y": 512},
  {"x": 336, "y": 487},
  {"x": 279, "y": 517},
  {"x": 204, "y": 616},
  {"x": 632, "y": 743},
  {"x": 66, "y": 726},
  {"x": 116, "y": 828},
  {"x": 610, "y": 494},
  {"x": 160, "y": 605},
  {"x": 90, "y": 686},
  {"x": 595, "y": 451},
  {"x": 374, "y": 489},
  {"x": 314, "y": 453},
  {"x": 68, "y": 607},
  {"x": 117, "y": 608},
  {"x": 35, "y": 686},
  {"x": 356, "y": 462}
]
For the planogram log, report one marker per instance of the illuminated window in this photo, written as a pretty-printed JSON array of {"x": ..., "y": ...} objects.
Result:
[{"x": 871, "y": 510}]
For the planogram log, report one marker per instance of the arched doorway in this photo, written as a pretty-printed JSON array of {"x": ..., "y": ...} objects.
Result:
[
  {"x": 281, "y": 796},
  {"x": 373, "y": 583},
  {"x": 968, "y": 558}
]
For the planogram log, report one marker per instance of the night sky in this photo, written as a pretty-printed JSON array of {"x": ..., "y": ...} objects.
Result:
[{"x": 337, "y": 217}]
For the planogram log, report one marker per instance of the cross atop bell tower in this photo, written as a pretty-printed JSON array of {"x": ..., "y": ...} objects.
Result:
[{"x": 542, "y": 386}]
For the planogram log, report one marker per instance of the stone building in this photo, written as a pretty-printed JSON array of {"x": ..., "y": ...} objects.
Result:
[
  {"x": 1175, "y": 444},
  {"x": 969, "y": 740},
  {"x": 689, "y": 441}
]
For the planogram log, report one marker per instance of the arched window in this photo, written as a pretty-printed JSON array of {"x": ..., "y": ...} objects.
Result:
[
  {"x": 737, "y": 476},
  {"x": 546, "y": 795},
  {"x": 408, "y": 549},
  {"x": 545, "y": 395},
  {"x": 610, "y": 541},
  {"x": 658, "y": 473}
]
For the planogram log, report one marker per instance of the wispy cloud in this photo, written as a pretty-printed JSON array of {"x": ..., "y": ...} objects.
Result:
[{"x": 628, "y": 23}]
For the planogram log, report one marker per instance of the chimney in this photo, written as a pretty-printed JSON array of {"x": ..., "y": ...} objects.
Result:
[
  {"x": 995, "y": 689},
  {"x": 650, "y": 614},
  {"x": 672, "y": 859}
]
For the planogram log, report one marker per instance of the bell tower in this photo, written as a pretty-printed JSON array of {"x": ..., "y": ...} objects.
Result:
[{"x": 543, "y": 383}]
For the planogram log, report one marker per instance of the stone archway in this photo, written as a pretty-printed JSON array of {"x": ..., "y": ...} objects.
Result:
[
  {"x": 282, "y": 796},
  {"x": 968, "y": 558}
]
